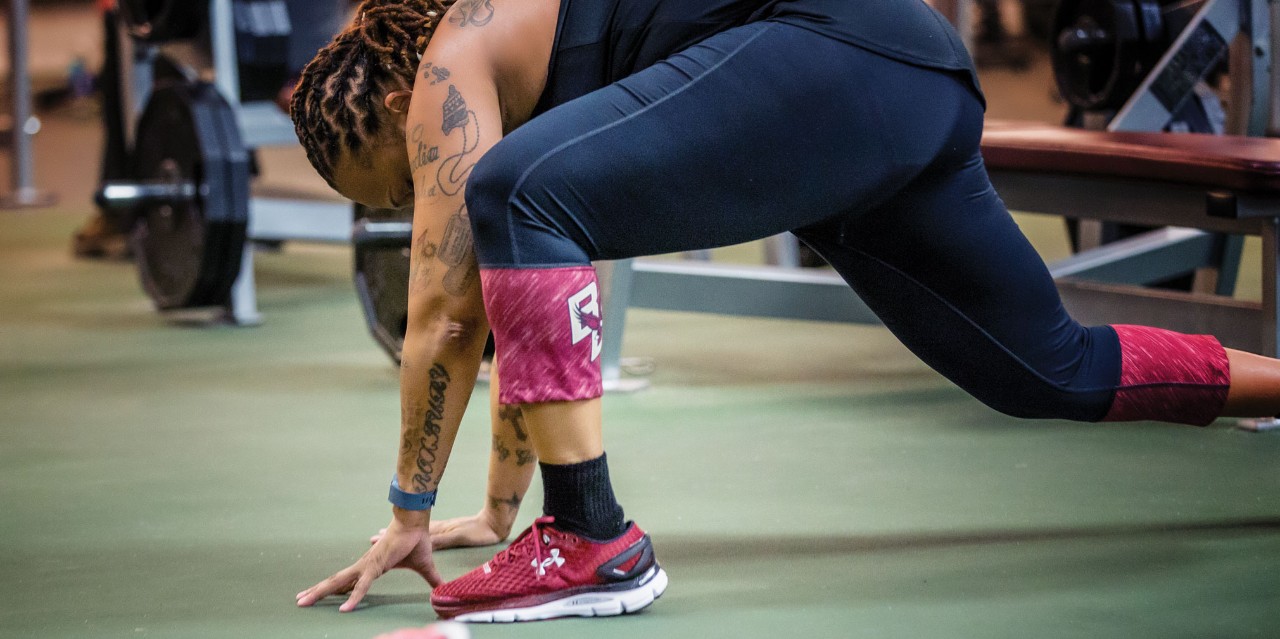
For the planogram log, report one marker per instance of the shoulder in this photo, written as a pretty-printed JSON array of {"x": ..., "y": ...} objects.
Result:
[{"x": 505, "y": 42}]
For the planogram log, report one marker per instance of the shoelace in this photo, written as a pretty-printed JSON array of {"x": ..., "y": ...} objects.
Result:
[{"x": 517, "y": 551}]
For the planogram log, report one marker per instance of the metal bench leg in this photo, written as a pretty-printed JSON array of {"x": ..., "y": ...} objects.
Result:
[
  {"x": 1270, "y": 310},
  {"x": 782, "y": 250},
  {"x": 243, "y": 308},
  {"x": 615, "y": 291}
]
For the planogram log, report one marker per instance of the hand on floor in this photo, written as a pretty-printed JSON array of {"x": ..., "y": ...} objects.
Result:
[{"x": 401, "y": 546}]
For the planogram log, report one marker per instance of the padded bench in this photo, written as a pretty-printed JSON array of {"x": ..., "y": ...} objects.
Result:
[{"x": 1199, "y": 184}]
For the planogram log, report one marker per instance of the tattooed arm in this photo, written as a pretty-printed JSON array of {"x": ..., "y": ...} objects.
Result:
[
  {"x": 511, "y": 466},
  {"x": 451, "y": 124},
  {"x": 453, "y": 119}
]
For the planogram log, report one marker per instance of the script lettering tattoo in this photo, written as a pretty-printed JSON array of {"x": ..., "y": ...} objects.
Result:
[
  {"x": 423, "y": 155},
  {"x": 513, "y": 503},
  {"x": 420, "y": 271},
  {"x": 510, "y": 413},
  {"x": 501, "y": 449},
  {"x": 456, "y": 251},
  {"x": 429, "y": 441},
  {"x": 472, "y": 12},
  {"x": 454, "y": 171},
  {"x": 525, "y": 456},
  {"x": 434, "y": 74}
]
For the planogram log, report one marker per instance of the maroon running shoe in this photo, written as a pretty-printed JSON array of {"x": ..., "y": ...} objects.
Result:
[{"x": 547, "y": 573}]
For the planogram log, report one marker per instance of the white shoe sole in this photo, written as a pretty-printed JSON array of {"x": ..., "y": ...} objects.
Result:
[{"x": 591, "y": 604}]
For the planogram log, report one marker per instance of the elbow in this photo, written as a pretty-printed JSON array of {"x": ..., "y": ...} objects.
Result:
[{"x": 446, "y": 326}]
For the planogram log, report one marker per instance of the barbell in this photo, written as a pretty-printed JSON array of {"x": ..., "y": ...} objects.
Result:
[
  {"x": 189, "y": 203},
  {"x": 381, "y": 240}
]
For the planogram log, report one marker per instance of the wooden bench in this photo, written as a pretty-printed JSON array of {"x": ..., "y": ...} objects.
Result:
[{"x": 1200, "y": 184}]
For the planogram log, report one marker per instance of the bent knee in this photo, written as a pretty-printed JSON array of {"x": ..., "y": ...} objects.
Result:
[
  {"x": 526, "y": 213},
  {"x": 1038, "y": 399}
]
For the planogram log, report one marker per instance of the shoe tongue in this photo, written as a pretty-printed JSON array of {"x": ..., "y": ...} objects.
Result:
[{"x": 522, "y": 546}]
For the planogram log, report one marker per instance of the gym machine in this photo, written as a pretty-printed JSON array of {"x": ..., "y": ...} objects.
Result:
[
  {"x": 198, "y": 78},
  {"x": 1199, "y": 66},
  {"x": 23, "y": 125}
]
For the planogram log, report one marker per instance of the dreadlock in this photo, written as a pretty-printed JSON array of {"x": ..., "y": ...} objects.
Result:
[{"x": 337, "y": 103}]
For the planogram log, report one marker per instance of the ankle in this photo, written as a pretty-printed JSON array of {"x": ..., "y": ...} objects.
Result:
[{"x": 581, "y": 499}]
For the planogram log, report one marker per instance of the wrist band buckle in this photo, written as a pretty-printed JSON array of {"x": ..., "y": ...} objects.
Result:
[{"x": 410, "y": 501}]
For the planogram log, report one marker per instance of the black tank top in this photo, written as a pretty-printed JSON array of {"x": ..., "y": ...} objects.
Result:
[{"x": 599, "y": 42}]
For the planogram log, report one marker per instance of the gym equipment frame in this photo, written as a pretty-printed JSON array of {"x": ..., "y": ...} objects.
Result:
[{"x": 258, "y": 124}]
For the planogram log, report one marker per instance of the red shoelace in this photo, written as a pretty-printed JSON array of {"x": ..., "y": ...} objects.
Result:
[{"x": 520, "y": 549}]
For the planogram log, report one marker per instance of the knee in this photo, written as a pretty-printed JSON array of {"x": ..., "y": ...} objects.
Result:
[
  {"x": 524, "y": 211},
  {"x": 1033, "y": 396}
]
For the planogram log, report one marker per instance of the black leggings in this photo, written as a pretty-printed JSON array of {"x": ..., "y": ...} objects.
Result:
[{"x": 768, "y": 128}]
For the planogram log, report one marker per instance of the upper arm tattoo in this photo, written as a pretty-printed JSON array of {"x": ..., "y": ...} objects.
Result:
[
  {"x": 434, "y": 73},
  {"x": 457, "y": 252},
  {"x": 471, "y": 12},
  {"x": 423, "y": 154},
  {"x": 454, "y": 171},
  {"x": 456, "y": 249}
]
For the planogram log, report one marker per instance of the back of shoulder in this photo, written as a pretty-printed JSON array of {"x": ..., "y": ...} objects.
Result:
[
  {"x": 504, "y": 44},
  {"x": 495, "y": 32}
]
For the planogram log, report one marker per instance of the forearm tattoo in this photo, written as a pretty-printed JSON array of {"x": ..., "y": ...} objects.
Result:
[
  {"x": 500, "y": 449},
  {"x": 472, "y": 12},
  {"x": 425, "y": 443},
  {"x": 511, "y": 414},
  {"x": 452, "y": 175},
  {"x": 458, "y": 253},
  {"x": 525, "y": 456},
  {"x": 498, "y": 502},
  {"x": 513, "y": 417}
]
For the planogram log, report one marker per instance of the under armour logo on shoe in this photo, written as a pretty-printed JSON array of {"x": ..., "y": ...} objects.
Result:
[{"x": 555, "y": 559}]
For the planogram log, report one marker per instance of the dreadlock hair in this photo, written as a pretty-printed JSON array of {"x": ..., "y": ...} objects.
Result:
[{"x": 337, "y": 103}]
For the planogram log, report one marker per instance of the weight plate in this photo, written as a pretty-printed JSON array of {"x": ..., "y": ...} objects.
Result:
[
  {"x": 1099, "y": 52},
  {"x": 188, "y": 253},
  {"x": 382, "y": 280}
]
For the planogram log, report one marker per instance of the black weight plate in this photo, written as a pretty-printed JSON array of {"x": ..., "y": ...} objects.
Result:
[
  {"x": 382, "y": 282},
  {"x": 1098, "y": 53},
  {"x": 164, "y": 20},
  {"x": 188, "y": 253}
]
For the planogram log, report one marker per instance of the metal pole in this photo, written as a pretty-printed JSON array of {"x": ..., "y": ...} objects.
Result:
[
  {"x": 1272, "y": 54},
  {"x": 25, "y": 125}
]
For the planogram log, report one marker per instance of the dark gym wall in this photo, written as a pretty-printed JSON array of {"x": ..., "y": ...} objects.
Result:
[{"x": 315, "y": 22}]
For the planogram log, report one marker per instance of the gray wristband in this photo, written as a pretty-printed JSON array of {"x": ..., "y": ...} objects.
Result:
[{"x": 410, "y": 501}]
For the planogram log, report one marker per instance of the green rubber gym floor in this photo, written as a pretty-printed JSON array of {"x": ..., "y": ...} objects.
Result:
[
  {"x": 160, "y": 479},
  {"x": 799, "y": 480}
]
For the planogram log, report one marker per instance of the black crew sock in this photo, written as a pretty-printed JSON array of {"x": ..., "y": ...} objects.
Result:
[{"x": 581, "y": 499}]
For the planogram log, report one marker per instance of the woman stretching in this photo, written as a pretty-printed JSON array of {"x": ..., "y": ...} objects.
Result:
[{"x": 533, "y": 136}]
